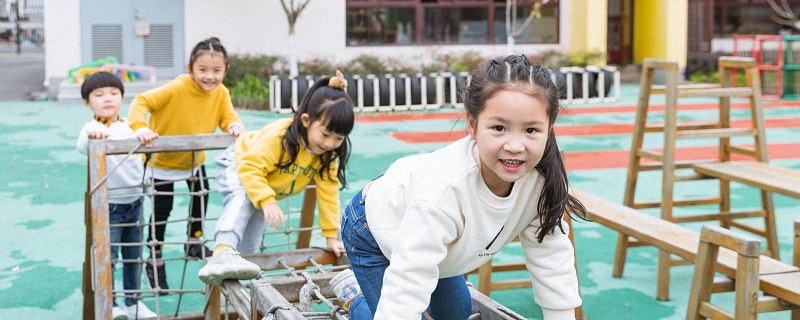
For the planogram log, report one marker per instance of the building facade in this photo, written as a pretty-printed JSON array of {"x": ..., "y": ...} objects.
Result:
[{"x": 162, "y": 33}]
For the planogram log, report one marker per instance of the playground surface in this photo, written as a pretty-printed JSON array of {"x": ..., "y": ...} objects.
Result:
[{"x": 42, "y": 204}]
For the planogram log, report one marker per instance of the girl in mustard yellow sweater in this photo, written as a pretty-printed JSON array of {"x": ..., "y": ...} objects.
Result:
[
  {"x": 192, "y": 103},
  {"x": 276, "y": 162}
]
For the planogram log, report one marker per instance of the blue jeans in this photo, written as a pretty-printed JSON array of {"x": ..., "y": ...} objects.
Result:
[
  {"x": 450, "y": 299},
  {"x": 127, "y": 213}
]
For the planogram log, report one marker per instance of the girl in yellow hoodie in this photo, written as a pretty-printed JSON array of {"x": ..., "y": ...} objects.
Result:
[
  {"x": 276, "y": 162},
  {"x": 192, "y": 103}
]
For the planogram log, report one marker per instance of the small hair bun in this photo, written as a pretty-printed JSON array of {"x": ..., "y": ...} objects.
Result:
[{"x": 338, "y": 81}]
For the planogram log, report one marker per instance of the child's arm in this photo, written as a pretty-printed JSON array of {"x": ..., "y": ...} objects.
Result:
[
  {"x": 90, "y": 131},
  {"x": 329, "y": 213},
  {"x": 252, "y": 168},
  {"x": 141, "y": 105},
  {"x": 412, "y": 275},
  {"x": 551, "y": 265},
  {"x": 328, "y": 202},
  {"x": 230, "y": 121}
]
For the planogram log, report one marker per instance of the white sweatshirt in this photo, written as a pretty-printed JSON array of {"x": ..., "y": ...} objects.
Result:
[
  {"x": 124, "y": 183},
  {"x": 434, "y": 217}
]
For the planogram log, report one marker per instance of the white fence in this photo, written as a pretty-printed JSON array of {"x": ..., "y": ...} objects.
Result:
[{"x": 403, "y": 92}]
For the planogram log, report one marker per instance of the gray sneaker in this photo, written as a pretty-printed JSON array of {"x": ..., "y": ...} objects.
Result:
[{"x": 227, "y": 265}]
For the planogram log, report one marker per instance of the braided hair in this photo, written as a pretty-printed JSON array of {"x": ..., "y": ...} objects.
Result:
[{"x": 517, "y": 73}]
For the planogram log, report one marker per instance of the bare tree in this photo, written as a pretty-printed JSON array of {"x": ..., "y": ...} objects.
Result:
[
  {"x": 293, "y": 9},
  {"x": 785, "y": 15},
  {"x": 514, "y": 30}
]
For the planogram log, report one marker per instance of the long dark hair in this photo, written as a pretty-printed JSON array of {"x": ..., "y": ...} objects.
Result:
[
  {"x": 519, "y": 74},
  {"x": 328, "y": 104}
]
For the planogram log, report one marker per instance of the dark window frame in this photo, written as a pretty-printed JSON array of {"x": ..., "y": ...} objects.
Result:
[
  {"x": 419, "y": 6},
  {"x": 722, "y": 6}
]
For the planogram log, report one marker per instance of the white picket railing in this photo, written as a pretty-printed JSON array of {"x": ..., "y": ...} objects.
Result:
[{"x": 382, "y": 93}]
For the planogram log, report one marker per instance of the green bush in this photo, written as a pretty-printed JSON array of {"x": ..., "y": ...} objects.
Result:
[
  {"x": 555, "y": 58},
  {"x": 708, "y": 76},
  {"x": 261, "y": 66},
  {"x": 251, "y": 92},
  {"x": 317, "y": 67}
]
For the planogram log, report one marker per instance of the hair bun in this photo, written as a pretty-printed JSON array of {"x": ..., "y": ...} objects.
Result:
[{"x": 338, "y": 81}]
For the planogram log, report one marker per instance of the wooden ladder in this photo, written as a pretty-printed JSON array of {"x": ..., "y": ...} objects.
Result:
[{"x": 674, "y": 171}]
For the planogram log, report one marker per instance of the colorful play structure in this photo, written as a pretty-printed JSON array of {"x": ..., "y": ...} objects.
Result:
[
  {"x": 128, "y": 73},
  {"x": 778, "y": 61}
]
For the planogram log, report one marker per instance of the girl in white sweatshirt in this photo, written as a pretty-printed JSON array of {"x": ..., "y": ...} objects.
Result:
[{"x": 413, "y": 232}]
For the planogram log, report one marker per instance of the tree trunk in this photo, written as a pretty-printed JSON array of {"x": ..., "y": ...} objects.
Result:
[{"x": 293, "y": 69}]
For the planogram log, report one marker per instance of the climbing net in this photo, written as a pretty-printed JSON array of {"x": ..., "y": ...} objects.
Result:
[
  {"x": 293, "y": 279},
  {"x": 98, "y": 269}
]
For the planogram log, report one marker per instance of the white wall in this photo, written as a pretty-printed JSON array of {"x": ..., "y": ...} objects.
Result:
[
  {"x": 260, "y": 27},
  {"x": 62, "y": 28}
]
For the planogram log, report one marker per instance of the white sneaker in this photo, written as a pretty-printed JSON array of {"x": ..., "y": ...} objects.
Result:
[
  {"x": 119, "y": 314},
  {"x": 228, "y": 264},
  {"x": 140, "y": 311},
  {"x": 345, "y": 286}
]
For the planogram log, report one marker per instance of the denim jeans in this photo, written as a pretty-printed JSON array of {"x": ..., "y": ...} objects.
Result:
[
  {"x": 450, "y": 299},
  {"x": 127, "y": 213}
]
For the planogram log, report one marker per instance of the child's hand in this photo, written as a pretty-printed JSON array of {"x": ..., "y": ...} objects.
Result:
[
  {"x": 335, "y": 245},
  {"x": 235, "y": 130},
  {"x": 273, "y": 216},
  {"x": 97, "y": 134},
  {"x": 147, "y": 138}
]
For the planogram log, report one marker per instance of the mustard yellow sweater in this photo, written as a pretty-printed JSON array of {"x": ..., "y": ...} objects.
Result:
[
  {"x": 181, "y": 107},
  {"x": 258, "y": 154}
]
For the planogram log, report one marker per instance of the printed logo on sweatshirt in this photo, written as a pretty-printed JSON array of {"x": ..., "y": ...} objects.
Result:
[
  {"x": 483, "y": 254},
  {"x": 294, "y": 170}
]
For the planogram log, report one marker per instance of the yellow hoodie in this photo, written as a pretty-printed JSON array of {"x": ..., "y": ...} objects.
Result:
[
  {"x": 258, "y": 154},
  {"x": 181, "y": 107}
]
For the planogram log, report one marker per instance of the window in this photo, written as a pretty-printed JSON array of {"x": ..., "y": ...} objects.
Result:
[
  {"x": 420, "y": 22},
  {"x": 747, "y": 17}
]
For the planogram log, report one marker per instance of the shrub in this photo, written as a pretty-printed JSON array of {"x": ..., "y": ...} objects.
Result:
[
  {"x": 261, "y": 66},
  {"x": 251, "y": 92}
]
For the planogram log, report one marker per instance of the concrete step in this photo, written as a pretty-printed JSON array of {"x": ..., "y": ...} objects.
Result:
[{"x": 70, "y": 93}]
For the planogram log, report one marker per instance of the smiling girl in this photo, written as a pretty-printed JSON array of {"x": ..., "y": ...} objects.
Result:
[
  {"x": 277, "y": 162},
  {"x": 413, "y": 232},
  {"x": 193, "y": 103}
]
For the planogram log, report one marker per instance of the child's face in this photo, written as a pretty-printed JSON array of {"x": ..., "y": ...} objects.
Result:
[
  {"x": 105, "y": 102},
  {"x": 208, "y": 70},
  {"x": 510, "y": 134},
  {"x": 320, "y": 139}
]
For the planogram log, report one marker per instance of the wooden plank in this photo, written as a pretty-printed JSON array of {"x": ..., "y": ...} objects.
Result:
[
  {"x": 714, "y": 133},
  {"x": 733, "y": 62},
  {"x": 717, "y": 92},
  {"x": 756, "y": 174},
  {"x": 238, "y": 297},
  {"x": 266, "y": 297},
  {"x": 661, "y": 89},
  {"x": 663, "y": 234},
  {"x": 172, "y": 143},
  {"x": 307, "y": 215},
  {"x": 783, "y": 285},
  {"x": 490, "y": 309},
  {"x": 289, "y": 287},
  {"x": 100, "y": 261},
  {"x": 295, "y": 258}
]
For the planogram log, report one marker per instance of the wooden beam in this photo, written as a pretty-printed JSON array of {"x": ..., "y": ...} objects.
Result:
[
  {"x": 172, "y": 143},
  {"x": 266, "y": 297},
  {"x": 295, "y": 258}
]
